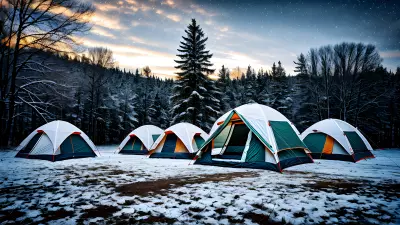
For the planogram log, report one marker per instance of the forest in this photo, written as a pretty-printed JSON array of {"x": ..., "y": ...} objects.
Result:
[{"x": 40, "y": 83}]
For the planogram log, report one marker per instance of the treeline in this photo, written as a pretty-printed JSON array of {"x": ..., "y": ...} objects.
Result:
[
  {"x": 369, "y": 99},
  {"x": 107, "y": 103},
  {"x": 38, "y": 83}
]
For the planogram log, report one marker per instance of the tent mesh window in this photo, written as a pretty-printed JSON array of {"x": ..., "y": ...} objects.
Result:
[
  {"x": 170, "y": 143},
  {"x": 134, "y": 144},
  {"x": 155, "y": 136},
  {"x": 285, "y": 136},
  {"x": 356, "y": 142},
  {"x": 220, "y": 139},
  {"x": 43, "y": 146},
  {"x": 28, "y": 148},
  {"x": 199, "y": 141},
  {"x": 237, "y": 141},
  {"x": 75, "y": 144},
  {"x": 315, "y": 142}
]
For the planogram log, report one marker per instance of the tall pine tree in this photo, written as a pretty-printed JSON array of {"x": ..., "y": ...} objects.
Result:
[
  {"x": 222, "y": 84},
  {"x": 194, "y": 98}
]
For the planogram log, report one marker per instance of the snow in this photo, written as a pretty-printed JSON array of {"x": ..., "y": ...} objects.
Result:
[{"x": 328, "y": 192}]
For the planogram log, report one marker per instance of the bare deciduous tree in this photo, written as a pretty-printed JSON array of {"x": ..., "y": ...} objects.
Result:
[
  {"x": 31, "y": 27},
  {"x": 102, "y": 57},
  {"x": 335, "y": 73},
  {"x": 146, "y": 71},
  {"x": 98, "y": 58}
]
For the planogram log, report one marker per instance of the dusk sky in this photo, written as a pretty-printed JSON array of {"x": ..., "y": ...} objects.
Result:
[{"x": 241, "y": 33}]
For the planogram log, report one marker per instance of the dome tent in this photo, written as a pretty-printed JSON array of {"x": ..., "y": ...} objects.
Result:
[
  {"x": 180, "y": 141},
  {"x": 253, "y": 136},
  {"x": 337, "y": 140},
  {"x": 57, "y": 140},
  {"x": 140, "y": 140}
]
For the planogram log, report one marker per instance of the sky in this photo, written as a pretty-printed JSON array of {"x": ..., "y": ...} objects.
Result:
[{"x": 241, "y": 32}]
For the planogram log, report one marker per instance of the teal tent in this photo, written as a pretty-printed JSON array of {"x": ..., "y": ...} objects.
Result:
[
  {"x": 336, "y": 140},
  {"x": 253, "y": 136},
  {"x": 140, "y": 140}
]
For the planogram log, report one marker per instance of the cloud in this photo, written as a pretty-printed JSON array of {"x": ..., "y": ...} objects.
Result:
[
  {"x": 143, "y": 41},
  {"x": 390, "y": 54},
  {"x": 106, "y": 7},
  {"x": 202, "y": 11},
  {"x": 132, "y": 2},
  {"x": 173, "y": 17},
  {"x": 99, "y": 31},
  {"x": 133, "y": 57},
  {"x": 106, "y": 22},
  {"x": 123, "y": 48},
  {"x": 135, "y": 23},
  {"x": 209, "y": 22},
  {"x": 233, "y": 60},
  {"x": 170, "y": 3},
  {"x": 133, "y": 8},
  {"x": 139, "y": 5},
  {"x": 224, "y": 29}
]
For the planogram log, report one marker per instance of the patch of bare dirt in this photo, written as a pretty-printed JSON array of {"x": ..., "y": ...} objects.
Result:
[
  {"x": 158, "y": 219},
  {"x": 55, "y": 215},
  {"x": 116, "y": 172},
  {"x": 290, "y": 172},
  {"x": 10, "y": 215},
  {"x": 103, "y": 211},
  {"x": 261, "y": 219},
  {"x": 98, "y": 168},
  {"x": 341, "y": 186},
  {"x": 146, "y": 218},
  {"x": 163, "y": 185},
  {"x": 337, "y": 185}
]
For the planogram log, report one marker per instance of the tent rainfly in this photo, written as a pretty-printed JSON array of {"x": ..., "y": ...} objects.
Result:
[
  {"x": 253, "y": 136},
  {"x": 337, "y": 140},
  {"x": 57, "y": 140},
  {"x": 140, "y": 140},
  {"x": 180, "y": 141}
]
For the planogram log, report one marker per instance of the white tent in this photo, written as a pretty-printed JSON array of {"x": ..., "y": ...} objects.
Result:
[
  {"x": 140, "y": 140},
  {"x": 258, "y": 116},
  {"x": 253, "y": 136},
  {"x": 336, "y": 139},
  {"x": 181, "y": 140},
  {"x": 56, "y": 140}
]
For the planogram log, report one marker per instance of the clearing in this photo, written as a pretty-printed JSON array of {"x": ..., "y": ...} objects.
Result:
[{"x": 133, "y": 189}]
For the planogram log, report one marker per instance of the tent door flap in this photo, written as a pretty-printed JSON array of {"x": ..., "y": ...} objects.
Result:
[{"x": 246, "y": 148}]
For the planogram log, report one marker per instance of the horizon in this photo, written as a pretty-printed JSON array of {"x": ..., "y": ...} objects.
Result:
[{"x": 147, "y": 33}]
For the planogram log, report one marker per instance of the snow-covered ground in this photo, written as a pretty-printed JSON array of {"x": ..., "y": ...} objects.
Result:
[{"x": 134, "y": 189}]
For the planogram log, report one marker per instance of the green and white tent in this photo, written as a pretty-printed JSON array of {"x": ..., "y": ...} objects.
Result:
[
  {"x": 57, "y": 140},
  {"x": 180, "y": 141},
  {"x": 337, "y": 140},
  {"x": 253, "y": 136},
  {"x": 140, "y": 140}
]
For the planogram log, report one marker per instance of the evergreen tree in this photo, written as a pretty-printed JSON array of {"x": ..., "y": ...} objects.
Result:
[
  {"x": 280, "y": 72},
  {"x": 194, "y": 92},
  {"x": 274, "y": 71},
  {"x": 250, "y": 85},
  {"x": 248, "y": 72},
  {"x": 158, "y": 114},
  {"x": 301, "y": 65},
  {"x": 137, "y": 76},
  {"x": 223, "y": 83},
  {"x": 143, "y": 103}
]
